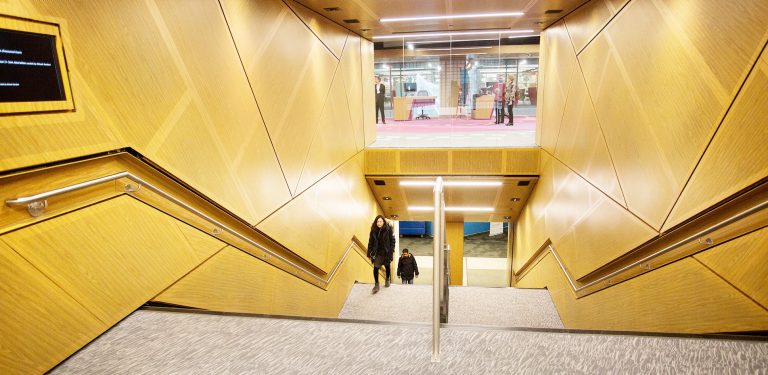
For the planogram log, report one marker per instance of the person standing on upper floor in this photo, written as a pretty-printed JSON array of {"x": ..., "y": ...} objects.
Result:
[
  {"x": 511, "y": 97},
  {"x": 381, "y": 246},
  {"x": 406, "y": 267},
  {"x": 380, "y": 95},
  {"x": 499, "y": 89}
]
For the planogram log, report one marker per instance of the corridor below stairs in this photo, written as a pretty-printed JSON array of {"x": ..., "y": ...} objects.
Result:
[{"x": 501, "y": 307}]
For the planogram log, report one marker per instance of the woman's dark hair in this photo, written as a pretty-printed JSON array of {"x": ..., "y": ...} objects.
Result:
[{"x": 373, "y": 225}]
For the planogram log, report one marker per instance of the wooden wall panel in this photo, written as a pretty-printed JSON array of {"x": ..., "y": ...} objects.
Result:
[
  {"x": 290, "y": 80},
  {"x": 742, "y": 263},
  {"x": 522, "y": 161},
  {"x": 472, "y": 162},
  {"x": 351, "y": 71},
  {"x": 40, "y": 325},
  {"x": 559, "y": 70},
  {"x": 488, "y": 161},
  {"x": 334, "y": 140},
  {"x": 233, "y": 281},
  {"x": 236, "y": 141},
  {"x": 425, "y": 162},
  {"x": 683, "y": 297},
  {"x": 381, "y": 161},
  {"x": 675, "y": 113},
  {"x": 319, "y": 223},
  {"x": 454, "y": 235},
  {"x": 584, "y": 23},
  {"x": 331, "y": 34},
  {"x": 111, "y": 257},
  {"x": 741, "y": 140},
  {"x": 587, "y": 228},
  {"x": 581, "y": 144},
  {"x": 369, "y": 97}
]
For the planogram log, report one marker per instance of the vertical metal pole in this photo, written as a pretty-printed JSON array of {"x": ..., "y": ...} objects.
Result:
[{"x": 437, "y": 243}]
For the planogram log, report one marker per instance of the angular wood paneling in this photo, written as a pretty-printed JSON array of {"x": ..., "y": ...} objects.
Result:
[
  {"x": 671, "y": 116},
  {"x": 334, "y": 140},
  {"x": 351, "y": 70},
  {"x": 238, "y": 136},
  {"x": 202, "y": 244},
  {"x": 233, "y": 281},
  {"x": 369, "y": 98},
  {"x": 290, "y": 80},
  {"x": 584, "y": 23},
  {"x": 586, "y": 227},
  {"x": 581, "y": 144},
  {"x": 111, "y": 257},
  {"x": 683, "y": 297},
  {"x": 741, "y": 140},
  {"x": 742, "y": 263},
  {"x": 558, "y": 71},
  {"x": 331, "y": 34},
  {"x": 316, "y": 224},
  {"x": 40, "y": 324}
]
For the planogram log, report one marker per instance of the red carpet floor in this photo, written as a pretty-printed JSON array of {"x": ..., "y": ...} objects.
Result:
[{"x": 454, "y": 125}]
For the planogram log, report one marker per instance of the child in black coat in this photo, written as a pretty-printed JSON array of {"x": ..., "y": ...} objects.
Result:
[{"x": 406, "y": 267}]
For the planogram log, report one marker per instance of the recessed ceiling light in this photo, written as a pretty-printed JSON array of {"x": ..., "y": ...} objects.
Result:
[
  {"x": 452, "y": 33},
  {"x": 453, "y": 16},
  {"x": 507, "y": 217},
  {"x": 515, "y": 199},
  {"x": 522, "y": 36},
  {"x": 332, "y": 9},
  {"x": 387, "y": 198},
  {"x": 449, "y": 41}
]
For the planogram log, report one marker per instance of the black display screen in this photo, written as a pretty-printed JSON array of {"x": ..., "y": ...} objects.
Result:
[{"x": 29, "y": 68}]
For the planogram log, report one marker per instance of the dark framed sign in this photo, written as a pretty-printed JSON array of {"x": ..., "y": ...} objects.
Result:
[{"x": 33, "y": 74}]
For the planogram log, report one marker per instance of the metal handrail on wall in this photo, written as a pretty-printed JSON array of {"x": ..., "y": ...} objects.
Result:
[
  {"x": 644, "y": 260},
  {"x": 37, "y": 203}
]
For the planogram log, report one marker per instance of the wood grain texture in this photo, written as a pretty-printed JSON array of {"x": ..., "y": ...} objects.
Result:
[
  {"x": 666, "y": 120},
  {"x": 40, "y": 324},
  {"x": 351, "y": 70},
  {"x": 454, "y": 235},
  {"x": 742, "y": 263},
  {"x": 584, "y": 23},
  {"x": 111, "y": 257},
  {"x": 369, "y": 97},
  {"x": 334, "y": 140},
  {"x": 586, "y": 227},
  {"x": 332, "y": 35},
  {"x": 233, "y": 281},
  {"x": 581, "y": 144},
  {"x": 558, "y": 71},
  {"x": 425, "y": 162},
  {"x": 321, "y": 221},
  {"x": 741, "y": 142},
  {"x": 683, "y": 297},
  {"x": 292, "y": 91}
]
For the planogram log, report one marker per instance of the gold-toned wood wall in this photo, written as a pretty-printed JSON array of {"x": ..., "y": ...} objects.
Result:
[
  {"x": 233, "y": 281},
  {"x": 68, "y": 279},
  {"x": 454, "y": 161},
  {"x": 454, "y": 234},
  {"x": 650, "y": 113},
  {"x": 261, "y": 106}
]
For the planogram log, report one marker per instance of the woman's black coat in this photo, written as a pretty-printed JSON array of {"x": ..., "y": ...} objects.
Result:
[{"x": 381, "y": 241}]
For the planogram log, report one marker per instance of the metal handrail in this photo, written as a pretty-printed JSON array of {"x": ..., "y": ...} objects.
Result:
[
  {"x": 32, "y": 199},
  {"x": 656, "y": 254}
]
